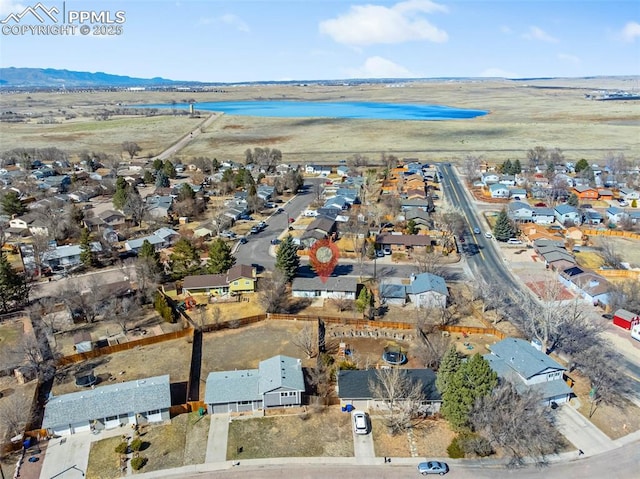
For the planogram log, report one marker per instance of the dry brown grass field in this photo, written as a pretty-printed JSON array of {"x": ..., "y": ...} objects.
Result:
[{"x": 549, "y": 113}]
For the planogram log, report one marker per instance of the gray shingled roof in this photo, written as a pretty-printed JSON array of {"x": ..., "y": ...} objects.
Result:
[
  {"x": 521, "y": 356},
  {"x": 333, "y": 283},
  {"x": 121, "y": 398},
  {"x": 250, "y": 384},
  {"x": 354, "y": 384}
]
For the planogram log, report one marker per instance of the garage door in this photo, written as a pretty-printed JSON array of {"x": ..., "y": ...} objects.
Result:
[
  {"x": 81, "y": 427},
  {"x": 62, "y": 431},
  {"x": 154, "y": 416},
  {"x": 111, "y": 422}
]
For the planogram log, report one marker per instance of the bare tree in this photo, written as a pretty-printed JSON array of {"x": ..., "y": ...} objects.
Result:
[
  {"x": 342, "y": 304},
  {"x": 609, "y": 255},
  {"x": 401, "y": 396},
  {"x": 625, "y": 295},
  {"x": 517, "y": 424},
  {"x": 429, "y": 261},
  {"x": 306, "y": 340},
  {"x": 15, "y": 415},
  {"x": 216, "y": 314},
  {"x": 131, "y": 147},
  {"x": 321, "y": 376},
  {"x": 273, "y": 297},
  {"x": 471, "y": 167},
  {"x": 451, "y": 222},
  {"x": 431, "y": 348},
  {"x": 84, "y": 298}
]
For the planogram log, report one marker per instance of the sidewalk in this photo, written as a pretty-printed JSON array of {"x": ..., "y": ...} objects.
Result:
[{"x": 581, "y": 432}]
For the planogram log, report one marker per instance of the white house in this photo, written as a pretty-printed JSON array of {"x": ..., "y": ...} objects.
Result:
[
  {"x": 108, "y": 407},
  {"x": 489, "y": 178},
  {"x": 67, "y": 256},
  {"x": 336, "y": 287},
  {"x": 31, "y": 222},
  {"x": 543, "y": 216},
  {"x": 528, "y": 368},
  {"x": 593, "y": 288},
  {"x": 498, "y": 190},
  {"x": 566, "y": 213},
  {"x": 615, "y": 215},
  {"x": 520, "y": 212},
  {"x": 629, "y": 194},
  {"x": 319, "y": 170}
]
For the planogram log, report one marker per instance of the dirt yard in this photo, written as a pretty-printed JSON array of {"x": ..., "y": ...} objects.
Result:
[
  {"x": 104, "y": 462},
  {"x": 16, "y": 398},
  {"x": 170, "y": 357},
  {"x": 11, "y": 334},
  {"x": 245, "y": 347},
  {"x": 289, "y": 436},
  {"x": 429, "y": 438}
]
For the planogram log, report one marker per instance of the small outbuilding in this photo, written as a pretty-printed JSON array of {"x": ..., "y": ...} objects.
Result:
[
  {"x": 82, "y": 342},
  {"x": 625, "y": 319}
]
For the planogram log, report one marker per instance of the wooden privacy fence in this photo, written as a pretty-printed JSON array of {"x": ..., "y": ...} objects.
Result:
[
  {"x": 622, "y": 234},
  {"x": 357, "y": 323},
  {"x": 96, "y": 353},
  {"x": 234, "y": 323},
  {"x": 473, "y": 330},
  {"x": 191, "y": 406},
  {"x": 619, "y": 273}
]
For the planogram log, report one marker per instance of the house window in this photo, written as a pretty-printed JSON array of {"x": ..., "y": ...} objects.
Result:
[
  {"x": 244, "y": 402},
  {"x": 235, "y": 283},
  {"x": 111, "y": 418},
  {"x": 317, "y": 293},
  {"x": 285, "y": 394},
  {"x": 154, "y": 411}
]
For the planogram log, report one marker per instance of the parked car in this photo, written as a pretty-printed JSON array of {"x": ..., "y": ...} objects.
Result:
[
  {"x": 379, "y": 253},
  {"x": 227, "y": 234},
  {"x": 280, "y": 210},
  {"x": 433, "y": 467},
  {"x": 476, "y": 230},
  {"x": 360, "y": 422},
  {"x": 269, "y": 205},
  {"x": 275, "y": 241},
  {"x": 254, "y": 230},
  {"x": 246, "y": 217},
  {"x": 514, "y": 241},
  {"x": 292, "y": 220},
  {"x": 243, "y": 240},
  {"x": 387, "y": 250},
  {"x": 262, "y": 225}
]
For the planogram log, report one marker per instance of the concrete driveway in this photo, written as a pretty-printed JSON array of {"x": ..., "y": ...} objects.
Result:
[
  {"x": 363, "y": 449},
  {"x": 581, "y": 432},
  {"x": 67, "y": 457}
]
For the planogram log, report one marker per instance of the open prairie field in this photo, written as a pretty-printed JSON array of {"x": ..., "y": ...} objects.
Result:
[{"x": 522, "y": 114}]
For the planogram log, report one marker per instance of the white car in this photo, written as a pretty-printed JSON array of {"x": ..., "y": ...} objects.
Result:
[
  {"x": 360, "y": 423},
  {"x": 514, "y": 241},
  {"x": 488, "y": 235}
]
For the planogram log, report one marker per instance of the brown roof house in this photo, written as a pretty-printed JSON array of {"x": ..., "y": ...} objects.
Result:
[
  {"x": 239, "y": 279},
  {"x": 403, "y": 242}
]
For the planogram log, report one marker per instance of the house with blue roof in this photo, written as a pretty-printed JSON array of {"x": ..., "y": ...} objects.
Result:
[
  {"x": 107, "y": 407},
  {"x": 67, "y": 256},
  {"x": 529, "y": 369},
  {"x": 278, "y": 382},
  {"x": 520, "y": 212},
  {"x": 615, "y": 214},
  {"x": 159, "y": 239},
  {"x": 498, "y": 190},
  {"x": 424, "y": 290},
  {"x": 567, "y": 214}
]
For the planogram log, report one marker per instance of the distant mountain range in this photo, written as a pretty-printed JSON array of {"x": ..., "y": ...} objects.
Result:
[{"x": 51, "y": 78}]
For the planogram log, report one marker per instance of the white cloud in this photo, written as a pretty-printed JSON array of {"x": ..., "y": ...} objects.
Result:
[
  {"x": 537, "y": 33},
  {"x": 378, "y": 67},
  {"x": 10, "y": 6},
  {"x": 630, "y": 32},
  {"x": 569, "y": 58},
  {"x": 373, "y": 24},
  {"x": 498, "y": 73},
  {"x": 506, "y": 30},
  {"x": 228, "y": 19}
]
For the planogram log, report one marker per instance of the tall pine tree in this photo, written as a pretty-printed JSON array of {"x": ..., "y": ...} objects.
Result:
[
  {"x": 449, "y": 365},
  {"x": 220, "y": 257},
  {"x": 503, "y": 229},
  {"x": 474, "y": 379},
  {"x": 14, "y": 290},
  {"x": 287, "y": 259},
  {"x": 87, "y": 255}
]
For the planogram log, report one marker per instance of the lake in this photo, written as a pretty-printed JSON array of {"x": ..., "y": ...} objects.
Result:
[{"x": 309, "y": 109}]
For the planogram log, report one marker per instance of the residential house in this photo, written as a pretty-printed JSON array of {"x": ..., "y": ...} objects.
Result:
[
  {"x": 393, "y": 291},
  {"x": 342, "y": 171},
  {"x": 591, "y": 286},
  {"x": 567, "y": 214},
  {"x": 520, "y": 212},
  {"x": 320, "y": 170},
  {"x": 555, "y": 256},
  {"x": 489, "y": 178},
  {"x": 240, "y": 278},
  {"x": 112, "y": 218},
  {"x": 31, "y": 222},
  {"x": 358, "y": 388},
  {"x": 574, "y": 233},
  {"x": 584, "y": 192},
  {"x": 592, "y": 217},
  {"x": 407, "y": 203},
  {"x": 403, "y": 243},
  {"x": 265, "y": 192},
  {"x": 543, "y": 216},
  {"x": 335, "y": 287},
  {"x": 337, "y": 202},
  {"x": 56, "y": 183},
  {"x": 507, "y": 180},
  {"x": 427, "y": 290},
  {"x": 529, "y": 369},
  {"x": 321, "y": 227},
  {"x": 605, "y": 194},
  {"x": 159, "y": 206},
  {"x": 107, "y": 407},
  {"x": 66, "y": 256},
  {"x": 419, "y": 217},
  {"x": 519, "y": 194},
  {"x": 629, "y": 194},
  {"x": 498, "y": 190},
  {"x": 278, "y": 382},
  {"x": 615, "y": 215},
  {"x": 159, "y": 239}
]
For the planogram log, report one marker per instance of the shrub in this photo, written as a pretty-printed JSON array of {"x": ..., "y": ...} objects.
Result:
[
  {"x": 122, "y": 448},
  {"x": 455, "y": 450},
  {"x": 138, "y": 463},
  {"x": 136, "y": 445},
  {"x": 476, "y": 445}
]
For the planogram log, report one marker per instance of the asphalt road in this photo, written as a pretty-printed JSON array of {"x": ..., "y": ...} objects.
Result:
[{"x": 621, "y": 463}]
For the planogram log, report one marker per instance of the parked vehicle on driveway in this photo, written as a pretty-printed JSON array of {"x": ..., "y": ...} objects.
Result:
[
  {"x": 360, "y": 422},
  {"x": 514, "y": 241}
]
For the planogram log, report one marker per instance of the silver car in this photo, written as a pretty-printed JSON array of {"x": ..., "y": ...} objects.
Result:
[{"x": 433, "y": 467}]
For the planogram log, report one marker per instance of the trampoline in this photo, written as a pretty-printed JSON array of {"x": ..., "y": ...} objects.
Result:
[{"x": 394, "y": 356}]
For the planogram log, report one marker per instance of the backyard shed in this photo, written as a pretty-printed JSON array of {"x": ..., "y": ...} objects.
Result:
[{"x": 625, "y": 319}]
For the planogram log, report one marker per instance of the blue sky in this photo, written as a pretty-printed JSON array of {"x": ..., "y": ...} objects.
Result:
[{"x": 243, "y": 40}]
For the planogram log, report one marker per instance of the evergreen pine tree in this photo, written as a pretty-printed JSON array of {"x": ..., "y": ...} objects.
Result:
[
  {"x": 412, "y": 228},
  {"x": 364, "y": 300},
  {"x": 474, "y": 379},
  {"x": 220, "y": 257},
  {"x": 14, "y": 290},
  {"x": 581, "y": 164},
  {"x": 503, "y": 229},
  {"x": 287, "y": 259},
  {"x": 573, "y": 200},
  {"x": 169, "y": 170},
  {"x": 120, "y": 196},
  {"x": 162, "y": 180},
  {"x": 12, "y": 204},
  {"x": 517, "y": 167},
  {"x": 87, "y": 255},
  {"x": 507, "y": 167},
  {"x": 185, "y": 259},
  {"x": 149, "y": 254},
  {"x": 449, "y": 365}
]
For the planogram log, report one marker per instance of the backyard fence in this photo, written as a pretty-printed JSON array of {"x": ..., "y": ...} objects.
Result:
[
  {"x": 96, "y": 353},
  {"x": 473, "y": 330},
  {"x": 357, "y": 323},
  {"x": 622, "y": 234}
]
